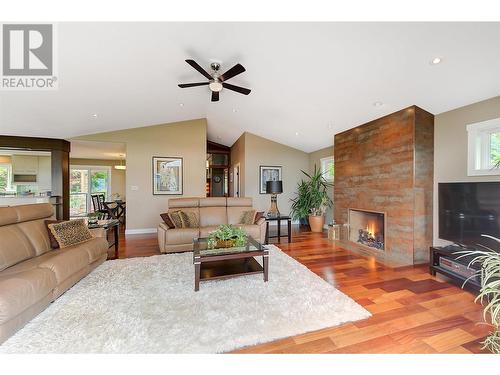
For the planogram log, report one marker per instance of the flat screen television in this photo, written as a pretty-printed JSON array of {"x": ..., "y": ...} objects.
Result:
[{"x": 467, "y": 210}]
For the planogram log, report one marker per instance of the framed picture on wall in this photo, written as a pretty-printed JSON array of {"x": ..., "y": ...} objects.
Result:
[
  {"x": 268, "y": 173},
  {"x": 167, "y": 175}
]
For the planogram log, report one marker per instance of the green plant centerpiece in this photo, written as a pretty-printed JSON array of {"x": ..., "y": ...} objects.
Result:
[
  {"x": 312, "y": 199},
  {"x": 226, "y": 235},
  {"x": 489, "y": 294}
]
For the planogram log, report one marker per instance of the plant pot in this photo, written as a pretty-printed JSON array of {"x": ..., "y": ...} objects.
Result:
[
  {"x": 225, "y": 243},
  {"x": 316, "y": 223},
  {"x": 303, "y": 221}
]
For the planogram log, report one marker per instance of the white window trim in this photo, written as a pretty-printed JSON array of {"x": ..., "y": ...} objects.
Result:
[
  {"x": 478, "y": 147},
  {"x": 321, "y": 162}
]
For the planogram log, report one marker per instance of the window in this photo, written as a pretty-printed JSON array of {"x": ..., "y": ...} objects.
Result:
[
  {"x": 5, "y": 177},
  {"x": 484, "y": 148},
  {"x": 328, "y": 168}
]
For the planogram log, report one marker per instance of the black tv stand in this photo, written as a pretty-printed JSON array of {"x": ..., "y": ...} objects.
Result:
[{"x": 449, "y": 252}]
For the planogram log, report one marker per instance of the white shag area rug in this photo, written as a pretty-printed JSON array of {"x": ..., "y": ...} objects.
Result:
[{"x": 148, "y": 305}]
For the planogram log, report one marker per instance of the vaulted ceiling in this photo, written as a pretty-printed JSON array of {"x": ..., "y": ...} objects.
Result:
[{"x": 308, "y": 80}]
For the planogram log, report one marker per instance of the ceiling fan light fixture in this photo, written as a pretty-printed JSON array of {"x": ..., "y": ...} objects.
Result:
[{"x": 215, "y": 86}]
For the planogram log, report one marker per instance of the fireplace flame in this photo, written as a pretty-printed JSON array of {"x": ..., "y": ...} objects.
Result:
[{"x": 371, "y": 227}]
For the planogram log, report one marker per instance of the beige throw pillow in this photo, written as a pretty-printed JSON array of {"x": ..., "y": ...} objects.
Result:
[
  {"x": 247, "y": 217},
  {"x": 175, "y": 218},
  {"x": 189, "y": 220},
  {"x": 69, "y": 233}
]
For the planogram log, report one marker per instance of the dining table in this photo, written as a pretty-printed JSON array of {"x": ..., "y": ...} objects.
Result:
[{"x": 117, "y": 209}]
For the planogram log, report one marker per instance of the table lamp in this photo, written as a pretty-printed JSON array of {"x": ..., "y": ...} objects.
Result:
[{"x": 274, "y": 188}]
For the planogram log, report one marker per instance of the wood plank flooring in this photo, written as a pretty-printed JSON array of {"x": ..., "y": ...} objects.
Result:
[{"x": 413, "y": 312}]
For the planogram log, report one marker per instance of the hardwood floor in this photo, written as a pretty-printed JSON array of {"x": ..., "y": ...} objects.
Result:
[{"x": 413, "y": 312}]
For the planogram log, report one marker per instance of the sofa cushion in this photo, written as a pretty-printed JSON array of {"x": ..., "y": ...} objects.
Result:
[
  {"x": 21, "y": 290},
  {"x": 205, "y": 231},
  {"x": 234, "y": 214},
  {"x": 27, "y": 212},
  {"x": 36, "y": 232},
  {"x": 212, "y": 216},
  {"x": 69, "y": 233},
  {"x": 28, "y": 264},
  {"x": 14, "y": 246},
  {"x": 181, "y": 236},
  {"x": 239, "y": 202},
  {"x": 67, "y": 262},
  {"x": 95, "y": 248},
  {"x": 183, "y": 202},
  {"x": 252, "y": 230}
]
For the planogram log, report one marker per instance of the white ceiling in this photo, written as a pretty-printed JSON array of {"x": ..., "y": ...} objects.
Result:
[
  {"x": 310, "y": 79},
  {"x": 98, "y": 150}
]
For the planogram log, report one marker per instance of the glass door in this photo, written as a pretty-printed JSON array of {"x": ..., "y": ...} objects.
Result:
[{"x": 85, "y": 182}]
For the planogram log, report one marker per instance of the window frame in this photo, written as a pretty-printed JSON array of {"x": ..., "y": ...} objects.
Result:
[
  {"x": 479, "y": 148},
  {"x": 323, "y": 162}
]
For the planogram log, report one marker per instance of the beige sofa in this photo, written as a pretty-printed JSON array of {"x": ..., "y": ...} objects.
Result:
[
  {"x": 32, "y": 274},
  {"x": 211, "y": 213}
]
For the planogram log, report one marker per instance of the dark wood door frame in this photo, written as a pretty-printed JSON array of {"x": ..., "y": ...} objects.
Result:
[{"x": 59, "y": 149}]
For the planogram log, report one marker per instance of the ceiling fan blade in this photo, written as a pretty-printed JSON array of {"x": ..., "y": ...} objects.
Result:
[
  {"x": 184, "y": 85},
  {"x": 239, "y": 89},
  {"x": 195, "y": 65},
  {"x": 215, "y": 96},
  {"x": 234, "y": 71}
]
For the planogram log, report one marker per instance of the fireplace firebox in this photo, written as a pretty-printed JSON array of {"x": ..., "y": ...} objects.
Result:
[{"x": 367, "y": 228}]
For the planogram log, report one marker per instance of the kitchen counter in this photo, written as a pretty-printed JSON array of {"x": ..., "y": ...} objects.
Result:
[{"x": 18, "y": 200}]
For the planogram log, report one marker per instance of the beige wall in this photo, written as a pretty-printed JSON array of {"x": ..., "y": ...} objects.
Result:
[
  {"x": 450, "y": 147},
  {"x": 238, "y": 156},
  {"x": 185, "y": 139},
  {"x": 261, "y": 151},
  {"x": 315, "y": 159},
  {"x": 117, "y": 175}
]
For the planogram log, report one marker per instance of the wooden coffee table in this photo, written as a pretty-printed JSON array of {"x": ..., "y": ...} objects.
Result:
[{"x": 222, "y": 263}]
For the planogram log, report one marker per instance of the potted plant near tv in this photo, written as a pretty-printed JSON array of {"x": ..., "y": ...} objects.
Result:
[
  {"x": 312, "y": 200},
  {"x": 489, "y": 295}
]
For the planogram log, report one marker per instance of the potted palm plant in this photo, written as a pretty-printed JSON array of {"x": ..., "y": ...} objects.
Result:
[
  {"x": 312, "y": 200},
  {"x": 489, "y": 294}
]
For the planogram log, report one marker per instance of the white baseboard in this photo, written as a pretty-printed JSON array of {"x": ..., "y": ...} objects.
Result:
[{"x": 140, "y": 231}]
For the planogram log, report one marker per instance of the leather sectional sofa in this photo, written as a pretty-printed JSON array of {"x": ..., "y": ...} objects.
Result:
[
  {"x": 211, "y": 213},
  {"x": 32, "y": 274}
]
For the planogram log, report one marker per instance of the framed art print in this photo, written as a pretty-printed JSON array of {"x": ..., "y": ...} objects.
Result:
[
  {"x": 268, "y": 173},
  {"x": 167, "y": 175}
]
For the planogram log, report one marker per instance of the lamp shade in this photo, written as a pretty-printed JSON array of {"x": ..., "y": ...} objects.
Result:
[{"x": 274, "y": 187}]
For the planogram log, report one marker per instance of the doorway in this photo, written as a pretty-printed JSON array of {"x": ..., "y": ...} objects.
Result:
[{"x": 84, "y": 182}]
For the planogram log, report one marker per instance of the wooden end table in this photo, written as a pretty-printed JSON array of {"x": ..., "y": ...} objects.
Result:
[
  {"x": 108, "y": 225},
  {"x": 222, "y": 263},
  {"x": 279, "y": 235}
]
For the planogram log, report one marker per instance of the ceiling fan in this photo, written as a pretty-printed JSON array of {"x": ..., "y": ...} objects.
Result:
[{"x": 216, "y": 81}]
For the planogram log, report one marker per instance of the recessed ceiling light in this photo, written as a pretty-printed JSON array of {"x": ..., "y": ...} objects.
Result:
[
  {"x": 378, "y": 104},
  {"x": 94, "y": 115},
  {"x": 181, "y": 104},
  {"x": 436, "y": 60},
  {"x": 296, "y": 133},
  {"x": 234, "y": 110}
]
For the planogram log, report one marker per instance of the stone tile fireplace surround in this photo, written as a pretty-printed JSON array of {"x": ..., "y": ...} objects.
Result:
[{"x": 386, "y": 166}]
